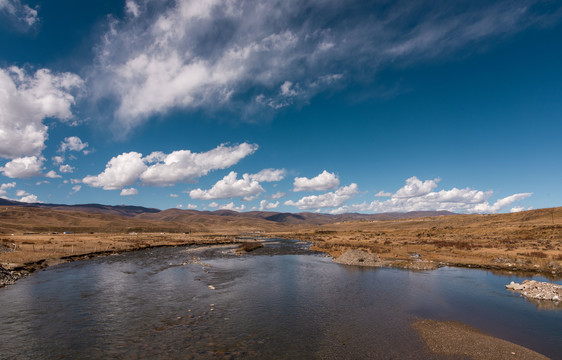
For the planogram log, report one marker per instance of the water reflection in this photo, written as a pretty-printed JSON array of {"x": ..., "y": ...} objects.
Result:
[{"x": 280, "y": 301}]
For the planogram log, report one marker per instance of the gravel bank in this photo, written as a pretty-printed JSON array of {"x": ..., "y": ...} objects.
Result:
[
  {"x": 8, "y": 277},
  {"x": 459, "y": 340},
  {"x": 537, "y": 290},
  {"x": 359, "y": 257}
]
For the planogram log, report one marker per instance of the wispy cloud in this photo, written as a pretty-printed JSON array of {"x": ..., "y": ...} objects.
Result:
[
  {"x": 249, "y": 56},
  {"x": 269, "y": 175},
  {"x": 278, "y": 195},
  {"x": 22, "y": 15}
]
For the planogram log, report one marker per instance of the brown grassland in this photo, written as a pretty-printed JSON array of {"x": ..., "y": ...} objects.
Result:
[
  {"x": 529, "y": 241},
  {"x": 526, "y": 241}
]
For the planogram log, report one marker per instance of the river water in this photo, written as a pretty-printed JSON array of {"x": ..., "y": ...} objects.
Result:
[{"x": 278, "y": 302}]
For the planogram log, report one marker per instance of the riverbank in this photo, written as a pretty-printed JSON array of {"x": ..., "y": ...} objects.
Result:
[
  {"x": 384, "y": 244},
  {"x": 455, "y": 339},
  {"x": 25, "y": 254},
  {"x": 526, "y": 243},
  {"x": 529, "y": 242}
]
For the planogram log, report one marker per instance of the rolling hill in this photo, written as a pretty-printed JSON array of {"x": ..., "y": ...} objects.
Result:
[{"x": 209, "y": 218}]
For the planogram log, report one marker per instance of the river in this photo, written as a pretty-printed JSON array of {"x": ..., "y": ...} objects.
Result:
[{"x": 278, "y": 302}]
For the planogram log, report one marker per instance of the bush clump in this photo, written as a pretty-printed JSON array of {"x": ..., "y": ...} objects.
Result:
[{"x": 250, "y": 246}]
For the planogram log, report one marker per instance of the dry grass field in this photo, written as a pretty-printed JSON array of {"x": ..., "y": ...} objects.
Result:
[{"x": 526, "y": 241}]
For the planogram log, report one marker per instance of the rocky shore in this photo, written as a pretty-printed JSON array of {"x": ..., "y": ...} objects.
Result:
[
  {"x": 359, "y": 258},
  {"x": 363, "y": 258},
  {"x": 8, "y": 277},
  {"x": 537, "y": 290}
]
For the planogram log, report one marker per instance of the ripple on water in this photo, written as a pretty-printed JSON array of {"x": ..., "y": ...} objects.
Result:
[{"x": 277, "y": 302}]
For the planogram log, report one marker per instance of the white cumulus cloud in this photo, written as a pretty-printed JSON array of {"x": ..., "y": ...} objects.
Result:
[
  {"x": 52, "y": 175},
  {"x": 330, "y": 199},
  {"x": 278, "y": 195},
  {"x": 72, "y": 143},
  {"x": 415, "y": 187},
  {"x": 323, "y": 181},
  {"x": 129, "y": 192},
  {"x": 120, "y": 171},
  {"x": 186, "y": 166},
  {"x": 4, "y": 188},
  {"x": 484, "y": 207},
  {"x": 21, "y": 193},
  {"x": 27, "y": 197},
  {"x": 30, "y": 198},
  {"x": 418, "y": 195},
  {"x": 25, "y": 101},
  {"x": 231, "y": 206},
  {"x": 66, "y": 169},
  {"x": 24, "y": 167},
  {"x": 264, "y": 205},
  {"x": 57, "y": 160},
  {"x": 161, "y": 169},
  {"x": 228, "y": 187}
]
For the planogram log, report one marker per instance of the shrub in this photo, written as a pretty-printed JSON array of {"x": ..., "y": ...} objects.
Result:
[{"x": 250, "y": 246}]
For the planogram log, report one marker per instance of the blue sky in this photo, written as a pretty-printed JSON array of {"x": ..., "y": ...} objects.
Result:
[{"x": 329, "y": 106}]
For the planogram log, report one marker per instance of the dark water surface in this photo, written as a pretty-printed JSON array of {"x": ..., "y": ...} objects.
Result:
[{"x": 278, "y": 302}]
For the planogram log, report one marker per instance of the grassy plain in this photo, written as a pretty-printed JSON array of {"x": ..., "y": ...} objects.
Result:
[{"x": 526, "y": 241}]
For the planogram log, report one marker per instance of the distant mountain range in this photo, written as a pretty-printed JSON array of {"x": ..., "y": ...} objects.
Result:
[{"x": 183, "y": 216}]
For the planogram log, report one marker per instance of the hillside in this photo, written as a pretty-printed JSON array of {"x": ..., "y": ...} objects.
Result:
[
  {"x": 20, "y": 219},
  {"x": 179, "y": 215}
]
